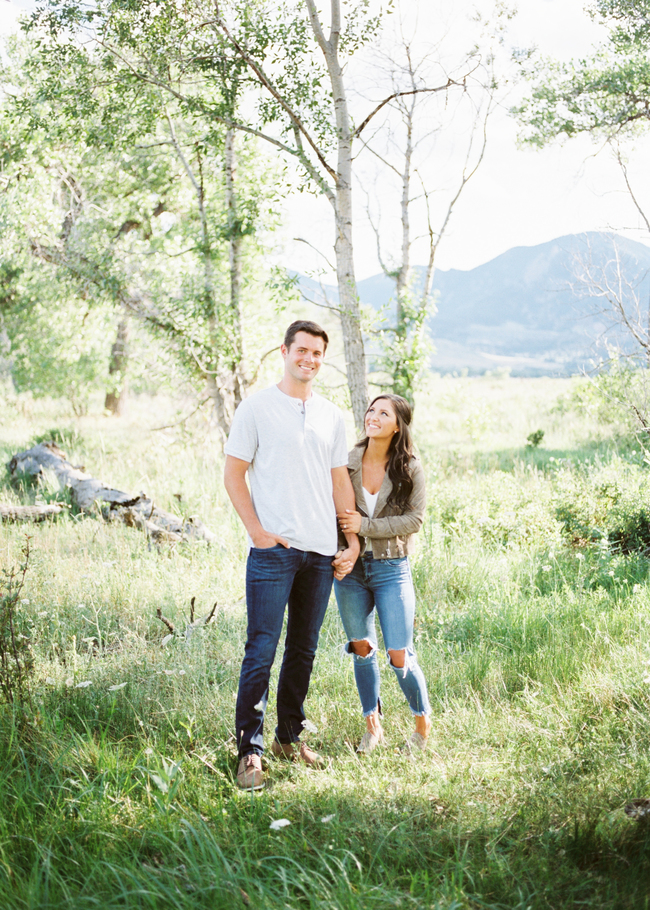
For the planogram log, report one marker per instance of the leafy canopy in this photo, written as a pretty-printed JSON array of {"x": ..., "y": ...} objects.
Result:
[{"x": 605, "y": 94}]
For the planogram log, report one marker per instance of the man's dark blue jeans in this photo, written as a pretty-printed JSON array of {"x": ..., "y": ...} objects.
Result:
[{"x": 276, "y": 577}]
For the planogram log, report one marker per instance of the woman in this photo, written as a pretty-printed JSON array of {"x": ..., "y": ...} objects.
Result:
[{"x": 388, "y": 482}]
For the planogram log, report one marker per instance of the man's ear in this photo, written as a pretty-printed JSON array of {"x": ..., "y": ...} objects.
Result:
[{"x": 284, "y": 350}]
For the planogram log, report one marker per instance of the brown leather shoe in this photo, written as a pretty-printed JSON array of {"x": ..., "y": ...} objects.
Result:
[
  {"x": 298, "y": 752},
  {"x": 249, "y": 773}
]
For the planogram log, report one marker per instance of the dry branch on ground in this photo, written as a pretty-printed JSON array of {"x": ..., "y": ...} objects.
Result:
[
  {"x": 28, "y": 513},
  {"x": 191, "y": 626}
]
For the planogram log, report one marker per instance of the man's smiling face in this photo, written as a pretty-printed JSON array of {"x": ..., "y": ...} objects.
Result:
[{"x": 303, "y": 359}]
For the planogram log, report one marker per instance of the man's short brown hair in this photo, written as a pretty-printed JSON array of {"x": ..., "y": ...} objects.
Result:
[{"x": 304, "y": 325}]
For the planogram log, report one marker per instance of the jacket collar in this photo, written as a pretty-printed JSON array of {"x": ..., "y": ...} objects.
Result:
[{"x": 354, "y": 467}]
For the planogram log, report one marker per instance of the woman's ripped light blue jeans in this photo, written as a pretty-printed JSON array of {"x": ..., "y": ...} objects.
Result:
[{"x": 383, "y": 587}]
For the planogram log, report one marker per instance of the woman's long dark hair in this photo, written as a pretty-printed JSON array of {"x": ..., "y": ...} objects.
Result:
[{"x": 400, "y": 451}]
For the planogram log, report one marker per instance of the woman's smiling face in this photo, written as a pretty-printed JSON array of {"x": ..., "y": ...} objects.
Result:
[{"x": 381, "y": 420}]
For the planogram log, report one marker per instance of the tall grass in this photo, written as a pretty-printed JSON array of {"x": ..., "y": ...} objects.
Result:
[{"x": 117, "y": 789}]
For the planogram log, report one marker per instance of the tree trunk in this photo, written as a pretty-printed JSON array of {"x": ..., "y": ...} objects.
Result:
[
  {"x": 404, "y": 272},
  {"x": 402, "y": 374},
  {"x": 214, "y": 370},
  {"x": 116, "y": 395},
  {"x": 355, "y": 357},
  {"x": 229, "y": 385},
  {"x": 238, "y": 363}
]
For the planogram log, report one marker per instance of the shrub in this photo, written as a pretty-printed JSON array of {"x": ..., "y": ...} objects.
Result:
[
  {"x": 16, "y": 658},
  {"x": 606, "y": 506}
]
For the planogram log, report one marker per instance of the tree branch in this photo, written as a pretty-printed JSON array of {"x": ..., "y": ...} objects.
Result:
[
  {"x": 169, "y": 426},
  {"x": 637, "y": 205},
  {"x": 320, "y": 252},
  {"x": 268, "y": 85},
  {"x": 232, "y": 124},
  {"x": 417, "y": 91}
]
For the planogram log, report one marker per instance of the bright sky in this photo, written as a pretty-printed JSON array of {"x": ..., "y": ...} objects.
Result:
[{"x": 519, "y": 197}]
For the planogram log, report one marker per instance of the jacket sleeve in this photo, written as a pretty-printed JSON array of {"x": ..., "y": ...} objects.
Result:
[{"x": 400, "y": 525}]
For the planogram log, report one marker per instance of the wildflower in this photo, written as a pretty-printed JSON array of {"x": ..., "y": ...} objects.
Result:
[
  {"x": 84, "y": 684},
  {"x": 115, "y": 688},
  {"x": 309, "y": 726},
  {"x": 166, "y": 640},
  {"x": 546, "y": 568},
  {"x": 327, "y": 818},
  {"x": 49, "y": 681},
  {"x": 279, "y": 823},
  {"x": 259, "y": 706}
]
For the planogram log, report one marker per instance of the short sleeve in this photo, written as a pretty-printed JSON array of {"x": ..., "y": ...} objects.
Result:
[
  {"x": 339, "y": 445},
  {"x": 243, "y": 439}
]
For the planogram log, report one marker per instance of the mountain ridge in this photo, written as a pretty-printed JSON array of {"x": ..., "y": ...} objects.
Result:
[{"x": 527, "y": 310}]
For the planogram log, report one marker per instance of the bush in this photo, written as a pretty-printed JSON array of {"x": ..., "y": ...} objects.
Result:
[
  {"x": 606, "y": 506},
  {"x": 16, "y": 657}
]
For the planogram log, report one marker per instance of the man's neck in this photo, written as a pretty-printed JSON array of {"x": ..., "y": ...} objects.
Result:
[{"x": 294, "y": 389}]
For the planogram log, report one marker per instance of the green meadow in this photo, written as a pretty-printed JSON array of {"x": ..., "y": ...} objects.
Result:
[{"x": 117, "y": 768}]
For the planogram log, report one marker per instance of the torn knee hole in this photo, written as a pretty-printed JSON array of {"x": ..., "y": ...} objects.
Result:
[
  {"x": 363, "y": 648},
  {"x": 397, "y": 658}
]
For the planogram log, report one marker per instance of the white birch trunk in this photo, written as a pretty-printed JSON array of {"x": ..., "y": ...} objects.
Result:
[
  {"x": 355, "y": 358},
  {"x": 404, "y": 273}
]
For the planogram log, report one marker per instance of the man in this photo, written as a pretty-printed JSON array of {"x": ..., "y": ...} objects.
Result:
[{"x": 291, "y": 442}]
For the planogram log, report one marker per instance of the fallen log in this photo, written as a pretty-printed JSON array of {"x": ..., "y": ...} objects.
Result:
[
  {"x": 28, "y": 513},
  {"x": 88, "y": 493}
]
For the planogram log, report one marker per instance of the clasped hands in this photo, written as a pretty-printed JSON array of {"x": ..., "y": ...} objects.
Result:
[{"x": 350, "y": 522}]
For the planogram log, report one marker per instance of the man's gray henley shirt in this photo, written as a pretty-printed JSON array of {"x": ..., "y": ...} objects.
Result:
[{"x": 291, "y": 447}]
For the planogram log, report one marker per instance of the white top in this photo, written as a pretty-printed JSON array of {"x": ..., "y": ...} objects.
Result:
[
  {"x": 291, "y": 448},
  {"x": 371, "y": 501}
]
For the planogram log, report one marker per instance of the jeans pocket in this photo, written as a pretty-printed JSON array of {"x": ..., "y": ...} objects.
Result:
[{"x": 396, "y": 562}]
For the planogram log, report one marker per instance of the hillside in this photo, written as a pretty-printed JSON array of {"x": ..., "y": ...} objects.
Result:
[{"x": 527, "y": 309}]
